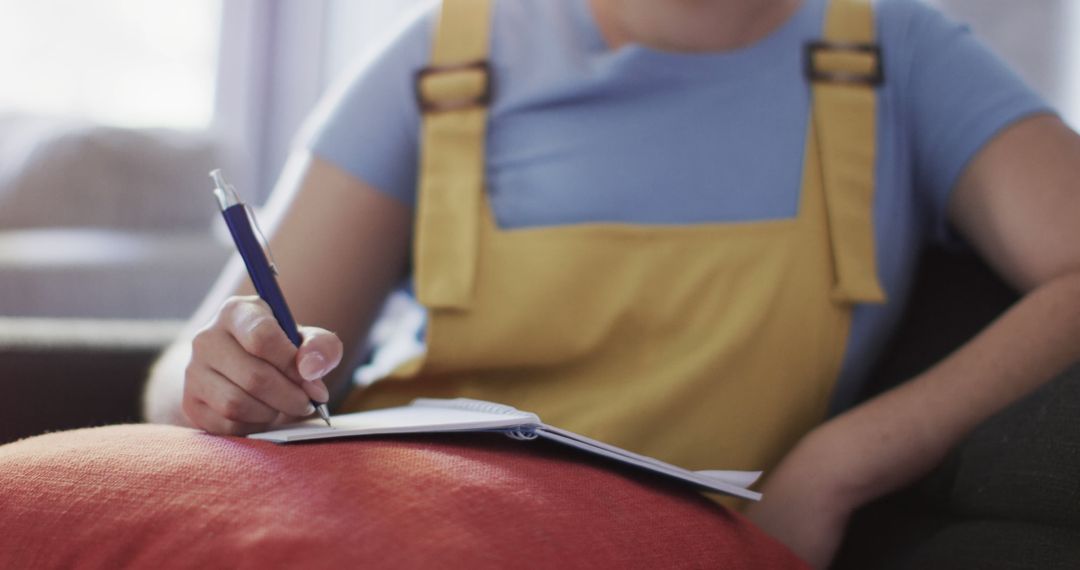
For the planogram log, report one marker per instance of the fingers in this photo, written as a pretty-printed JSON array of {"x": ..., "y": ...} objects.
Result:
[
  {"x": 254, "y": 376},
  {"x": 231, "y": 402},
  {"x": 244, "y": 375},
  {"x": 202, "y": 416},
  {"x": 254, "y": 327},
  {"x": 251, "y": 322},
  {"x": 316, "y": 391},
  {"x": 235, "y": 413},
  {"x": 319, "y": 354}
]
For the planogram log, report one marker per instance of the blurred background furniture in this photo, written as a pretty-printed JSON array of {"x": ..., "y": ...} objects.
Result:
[
  {"x": 58, "y": 374},
  {"x": 105, "y": 222}
]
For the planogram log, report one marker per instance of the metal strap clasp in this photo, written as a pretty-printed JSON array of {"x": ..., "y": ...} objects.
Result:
[
  {"x": 458, "y": 80},
  {"x": 870, "y": 54}
]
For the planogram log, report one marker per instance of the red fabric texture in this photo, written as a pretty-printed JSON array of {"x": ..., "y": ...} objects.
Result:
[{"x": 142, "y": 496}]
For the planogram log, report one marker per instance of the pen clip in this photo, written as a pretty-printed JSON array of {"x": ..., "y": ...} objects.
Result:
[{"x": 265, "y": 243}]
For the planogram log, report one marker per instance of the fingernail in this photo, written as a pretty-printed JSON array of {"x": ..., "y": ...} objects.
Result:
[
  {"x": 310, "y": 410},
  {"x": 312, "y": 366}
]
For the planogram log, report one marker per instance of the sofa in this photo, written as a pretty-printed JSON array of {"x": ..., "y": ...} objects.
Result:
[
  {"x": 1007, "y": 497},
  {"x": 106, "y": 222}
]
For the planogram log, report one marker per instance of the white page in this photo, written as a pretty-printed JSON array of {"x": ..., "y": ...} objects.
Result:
[
  {"x": 648, "y": 463},
  {"x": 741, "y": 478},
  {"x": 420, "y": 417},
  {"x": 426, "y": 415}
]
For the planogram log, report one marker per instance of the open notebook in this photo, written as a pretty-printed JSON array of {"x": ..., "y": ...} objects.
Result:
[{"x": 426, "y": 415}]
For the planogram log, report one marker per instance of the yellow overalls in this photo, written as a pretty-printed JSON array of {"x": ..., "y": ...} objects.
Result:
[{"x": 707, "y": 346}]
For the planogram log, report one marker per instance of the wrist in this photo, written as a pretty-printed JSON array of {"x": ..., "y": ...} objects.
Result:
[
  {"x": 874, "y": 449},
  {"x": 842, "y": 473}
]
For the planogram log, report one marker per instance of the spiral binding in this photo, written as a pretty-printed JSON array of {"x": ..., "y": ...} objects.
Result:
[
  {"x": 521, "y": 434},
  {"x": 468, "y": 404}
]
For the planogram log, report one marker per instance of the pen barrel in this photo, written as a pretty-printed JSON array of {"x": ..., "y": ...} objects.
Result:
[{"x": 259, "y": 269}]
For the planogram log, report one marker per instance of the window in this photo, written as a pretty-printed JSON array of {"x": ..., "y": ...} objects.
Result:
[{"x": 130, "y": 63}]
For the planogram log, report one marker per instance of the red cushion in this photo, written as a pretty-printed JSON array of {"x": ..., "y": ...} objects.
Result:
[{"x": 160, "y": 497}]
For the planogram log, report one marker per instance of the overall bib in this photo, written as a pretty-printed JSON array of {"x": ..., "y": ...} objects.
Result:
[{"x": 706, "y": 346}]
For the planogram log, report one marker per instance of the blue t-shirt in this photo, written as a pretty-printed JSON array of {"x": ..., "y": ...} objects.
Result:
[{"x": 582, "y": 133}]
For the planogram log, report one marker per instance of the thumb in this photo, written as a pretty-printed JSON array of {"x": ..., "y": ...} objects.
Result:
[{"x": 319, "y": 354}]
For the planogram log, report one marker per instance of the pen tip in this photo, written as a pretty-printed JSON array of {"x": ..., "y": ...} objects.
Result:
[{"x": 324, "y": 414}]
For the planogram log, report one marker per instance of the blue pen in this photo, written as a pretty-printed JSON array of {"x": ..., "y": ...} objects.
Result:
[{"x": 260, "y": 269}]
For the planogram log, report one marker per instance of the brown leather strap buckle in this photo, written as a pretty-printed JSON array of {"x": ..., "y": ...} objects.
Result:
[
  {"x": 481, "y": 99},
  {"x": 873, "y": 79}
]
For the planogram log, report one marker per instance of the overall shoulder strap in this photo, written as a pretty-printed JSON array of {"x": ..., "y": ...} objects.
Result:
[
  {"x": 453, "y": 93},
  {"x": 844, "y": 69}
]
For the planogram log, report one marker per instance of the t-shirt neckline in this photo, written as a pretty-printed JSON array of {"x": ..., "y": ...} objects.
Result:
[{"x": 746, "y": 59}]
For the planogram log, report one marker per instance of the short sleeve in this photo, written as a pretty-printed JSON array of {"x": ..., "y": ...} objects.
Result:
[
  {"x": 959, "y": 96},
  {"x": 368, "y": 123}
]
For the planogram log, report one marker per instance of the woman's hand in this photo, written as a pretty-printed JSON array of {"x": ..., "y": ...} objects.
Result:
[
  {"x": 806, "y": 505},
  {"x": 231, "y": 380},
  {"x": 244, "y": 374}
]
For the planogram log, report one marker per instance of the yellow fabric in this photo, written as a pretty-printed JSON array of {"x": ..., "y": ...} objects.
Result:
[
  {"x": 447, "y": 218},
  {"x": 707, "y": 346},
  {"x": 844, "y": 119},
  {"x": 462, "y": 33}
]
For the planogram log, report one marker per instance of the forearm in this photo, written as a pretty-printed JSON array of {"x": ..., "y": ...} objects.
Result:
[
  {"x": 897, "y": 437},
  {"x": 892, "y": 440}
]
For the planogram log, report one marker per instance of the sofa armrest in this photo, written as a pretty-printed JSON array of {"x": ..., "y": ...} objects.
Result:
[{"x": 65, "y": 373}]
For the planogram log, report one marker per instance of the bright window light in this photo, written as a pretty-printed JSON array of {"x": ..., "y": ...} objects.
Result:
[{"x": 137, "y": 63}]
